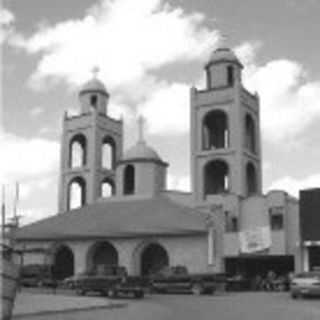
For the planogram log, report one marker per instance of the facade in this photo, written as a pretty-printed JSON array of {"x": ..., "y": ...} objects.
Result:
[{"x": 114, "y": 207}]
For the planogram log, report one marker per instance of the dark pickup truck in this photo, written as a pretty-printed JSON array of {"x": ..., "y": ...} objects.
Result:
[
  {"x": 112, "y": 283},
  {"x": 177, "y": 279}
]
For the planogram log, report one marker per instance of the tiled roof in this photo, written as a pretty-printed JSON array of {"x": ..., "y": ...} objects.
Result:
[{"x": 129, "y": 218}]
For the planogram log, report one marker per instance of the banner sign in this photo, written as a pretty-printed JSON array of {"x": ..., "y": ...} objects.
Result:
[{"x": 254, "y": 240}]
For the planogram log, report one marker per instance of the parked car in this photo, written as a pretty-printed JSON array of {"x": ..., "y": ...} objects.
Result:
[
  {"x": 70, "y": 282},
  {"x": 113, "y": 283},
  {"x": 305, "y": 284},
  {"x": 178, "y": 279},
  {"x": 37, "y": 275}
]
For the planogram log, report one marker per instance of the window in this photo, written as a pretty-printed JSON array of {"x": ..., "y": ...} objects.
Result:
[
  {"x": 250, "y": 134},
  {"x": 276, "y": 215},
  {"x": 231, "y": 222},
  {"x": 230, "y": 76},
  {"x": 129, "y": 183},
  {"x": 276, "y": 222},
  {"x": 93, "y": 100},
  {"x": 251, "y": 179}
]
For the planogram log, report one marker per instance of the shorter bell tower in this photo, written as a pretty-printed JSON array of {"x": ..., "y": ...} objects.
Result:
[
  {"x": 91, "y": 144},
  {"x": 225, "y": 132}
]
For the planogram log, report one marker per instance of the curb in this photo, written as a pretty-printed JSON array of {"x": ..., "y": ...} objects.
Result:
[{"x": 49, "y": 312}]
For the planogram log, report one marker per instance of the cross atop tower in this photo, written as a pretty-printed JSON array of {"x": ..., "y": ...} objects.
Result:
[
  {"x": 95, "y": 71},
  {"x": 141, "y": 123}
]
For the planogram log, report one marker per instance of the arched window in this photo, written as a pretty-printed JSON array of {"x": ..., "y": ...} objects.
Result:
[
  {"x": 250, "y": 131},
  {"x": 230, "y": 76},
  {"x": 129, "y": 180},
  {"x": 251, "y": 179},
  {"x": 215, "y": 130},
  {"x": 77, "y": 193},
  {"x": 107, "y": 188},
  {"x": 108, "y": 154},
  {"x": 216, "y": 177},
  {"x": 78, "y": 151}
]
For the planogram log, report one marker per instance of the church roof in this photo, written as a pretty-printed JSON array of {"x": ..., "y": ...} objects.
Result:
[
  {"x": 129, "y": 218},
  {"x": 141, "y": 151}
]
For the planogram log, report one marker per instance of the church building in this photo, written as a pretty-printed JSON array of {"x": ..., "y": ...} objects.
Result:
[{"x": 114, "y": 207}]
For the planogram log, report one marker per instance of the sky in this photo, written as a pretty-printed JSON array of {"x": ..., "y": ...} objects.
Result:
[{"x": 150, "y": 52}]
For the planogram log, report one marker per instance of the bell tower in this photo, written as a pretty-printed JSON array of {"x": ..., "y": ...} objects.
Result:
[
  {"x": 91, "y": 144},
  {"x": 225, "y": 132}
]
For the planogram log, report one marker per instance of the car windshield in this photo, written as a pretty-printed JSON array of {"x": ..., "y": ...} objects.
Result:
[{"x": 306, "y": 275}]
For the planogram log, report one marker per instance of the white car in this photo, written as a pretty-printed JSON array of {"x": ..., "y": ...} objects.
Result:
[{"x": 305, "y": 284}]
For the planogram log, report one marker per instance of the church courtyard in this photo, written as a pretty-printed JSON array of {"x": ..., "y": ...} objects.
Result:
[{"x": 223, "y": 306}]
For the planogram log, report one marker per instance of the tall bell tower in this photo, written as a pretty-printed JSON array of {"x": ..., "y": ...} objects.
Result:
[
  {"x": 91, "y": 144},
  {"x": 225, "y": 132}
]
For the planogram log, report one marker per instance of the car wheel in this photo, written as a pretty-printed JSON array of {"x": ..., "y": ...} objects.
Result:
[
  {"x": 112, "y": 293},
  {"x": 80, "y": 292},
  {"x": 197, "y": 289},
  {"x": 139, "y": 294}
]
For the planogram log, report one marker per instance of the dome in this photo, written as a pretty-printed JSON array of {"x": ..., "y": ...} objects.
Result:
[
  {"x": 223, "y": 54},
  {"x": 141, "y": 151},
  {"x": 93, "y": 85}
]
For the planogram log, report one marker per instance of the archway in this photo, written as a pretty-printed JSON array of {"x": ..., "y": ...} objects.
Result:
[
  {"x": 215, "y": 130},
  {"x": 102, "y": 255},
  {"x": 153, "y": 258},
  {"x": 108, "y": 153},
  {"x": 63, "y": 263},
  {"x": 78, "y": 151},
  {"x": 107, "y": 188},
  {"x": 251, "y": 179},
  {"x": 250, "y": 137},
  {"x": 76, "y": 193},
  {"x": 216, "y": 177}
]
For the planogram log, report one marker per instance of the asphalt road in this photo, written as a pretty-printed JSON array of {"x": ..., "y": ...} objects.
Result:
[{"x": 226, "y": 306}]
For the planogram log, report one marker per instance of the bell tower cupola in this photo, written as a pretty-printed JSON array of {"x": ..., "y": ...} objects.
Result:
[{"x": 94, "y": 95}]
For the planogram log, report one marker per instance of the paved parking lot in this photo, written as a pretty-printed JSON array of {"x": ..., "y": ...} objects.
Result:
[{"x": 226, "y": 306}]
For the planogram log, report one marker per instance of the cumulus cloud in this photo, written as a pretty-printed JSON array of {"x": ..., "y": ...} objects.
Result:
[
  {"x": 23, "y": 158},
  {"x": 125, "y": 39},
  {"x": 290, "y": 101},
  {"x": 167, "y": 109},
  {"x": 181, "y": 183},
  {"x": 294, "y": 185},
  {"x": 6, "y": 24}
]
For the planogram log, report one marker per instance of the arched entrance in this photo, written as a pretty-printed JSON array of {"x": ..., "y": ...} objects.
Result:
[
  {"x": 101, "y": 255},
  {"x": 153, "y": 258},
  {"x": 63, "y": 263}
]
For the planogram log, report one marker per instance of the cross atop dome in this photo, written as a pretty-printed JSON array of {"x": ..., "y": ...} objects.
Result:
[
  {"x": 95, "y": 71},
  {"x": 141, "y": 123}
]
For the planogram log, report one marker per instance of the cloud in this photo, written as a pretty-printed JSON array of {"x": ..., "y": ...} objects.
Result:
[
  {"x": 290, "y": 101},
  {"x": 36, "y": 111},
  {"x": 7, "y": 19},
  {"x": 181, "y": 183},
  {"x": 126, "y": 39},
  {"x": 167, "y": 109},
  {"x": 22, "y": 158},
  {"x": 294, "y": 185}
]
